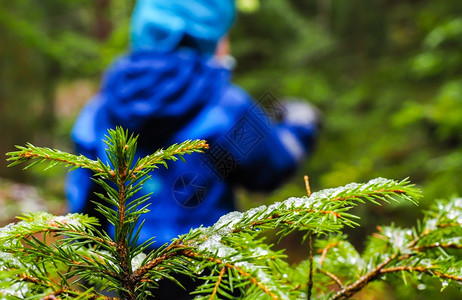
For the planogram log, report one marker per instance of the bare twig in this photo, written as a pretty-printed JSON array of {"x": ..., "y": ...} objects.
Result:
[
  {"x": 310, "y": 278},
  {"x": 324, "y": 251},
  {"x": 310, "y": 240},
  {"x": 307, "y": 185},
  {"x": 420, "y": 269},
  {"x": 437, "y": 245},
  {"x": 333, "y": 277}
]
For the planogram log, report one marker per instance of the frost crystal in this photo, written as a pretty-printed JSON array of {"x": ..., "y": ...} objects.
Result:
[
  {"x": 7, "y": 260},
  {"x": 259, "y": 251},
  {"x": 65, "y": 220},
  {"x": 226, "y": 223},
  {"x": 254, "y": 211},
  {"x": 334, "y": 192},
  {"x": 213, "y": 245},
  {"x": 304, "y": 202},
  {"x": 273, "y": 207},
  {"x": 376, "y": 181},
  {"x": 17, "y": 289},
  {"x": 453, "y": 214},
  {"x": 431, "y": 224},
  {"x": 137, "y": 260},
  {"x": 261, "y": 276},
  {"x": 5, "y": 231},
  {"x": 457, "y": 202}
]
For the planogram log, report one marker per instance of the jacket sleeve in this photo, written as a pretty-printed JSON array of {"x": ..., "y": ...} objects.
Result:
[{"x": 262, "y": 153}]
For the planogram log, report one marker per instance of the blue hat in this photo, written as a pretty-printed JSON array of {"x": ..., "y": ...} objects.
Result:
[{"x": 163, "y": 24}]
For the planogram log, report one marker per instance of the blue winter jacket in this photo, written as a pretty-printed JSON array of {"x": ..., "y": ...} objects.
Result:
[{"x": 168, "y": 98}]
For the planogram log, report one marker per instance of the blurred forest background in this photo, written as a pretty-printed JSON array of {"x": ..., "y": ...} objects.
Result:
[{"x": 387, "y": 75}]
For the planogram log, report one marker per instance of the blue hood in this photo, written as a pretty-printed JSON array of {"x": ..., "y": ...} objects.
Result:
[
  {"x": 162, "y": 25},
  {"x": 144, "y": 90}
]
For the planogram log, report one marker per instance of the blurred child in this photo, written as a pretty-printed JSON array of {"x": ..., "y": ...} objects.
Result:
[{"x": 172, "y": 87}]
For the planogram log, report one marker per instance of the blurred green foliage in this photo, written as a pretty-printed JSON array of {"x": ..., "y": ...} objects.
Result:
[
  {"x": 45, "y": 43},
  {"x": 387, "y": 75}
]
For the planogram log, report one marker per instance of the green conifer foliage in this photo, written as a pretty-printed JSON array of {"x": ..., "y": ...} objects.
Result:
[{"x": 46, "y": 257}]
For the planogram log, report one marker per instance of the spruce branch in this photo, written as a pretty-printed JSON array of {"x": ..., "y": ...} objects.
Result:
[
  {"x": 380, "y": 270},
  {"x": 320, "y": 213},
  {"x": 109, "y": 260},
  {"x": 217, "y": 284},
  {"x": 171, "y": 153},
  {"x": 121, "y": 154},
  {"x": 52, "y": 156},
  {"x": 237, "y": 258},
  {"x": 245, "y": 273},
  {"x": 174, "y": 249},
  {"x": 403, "y": 250},
  {"x": 323, "y": 211}
]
